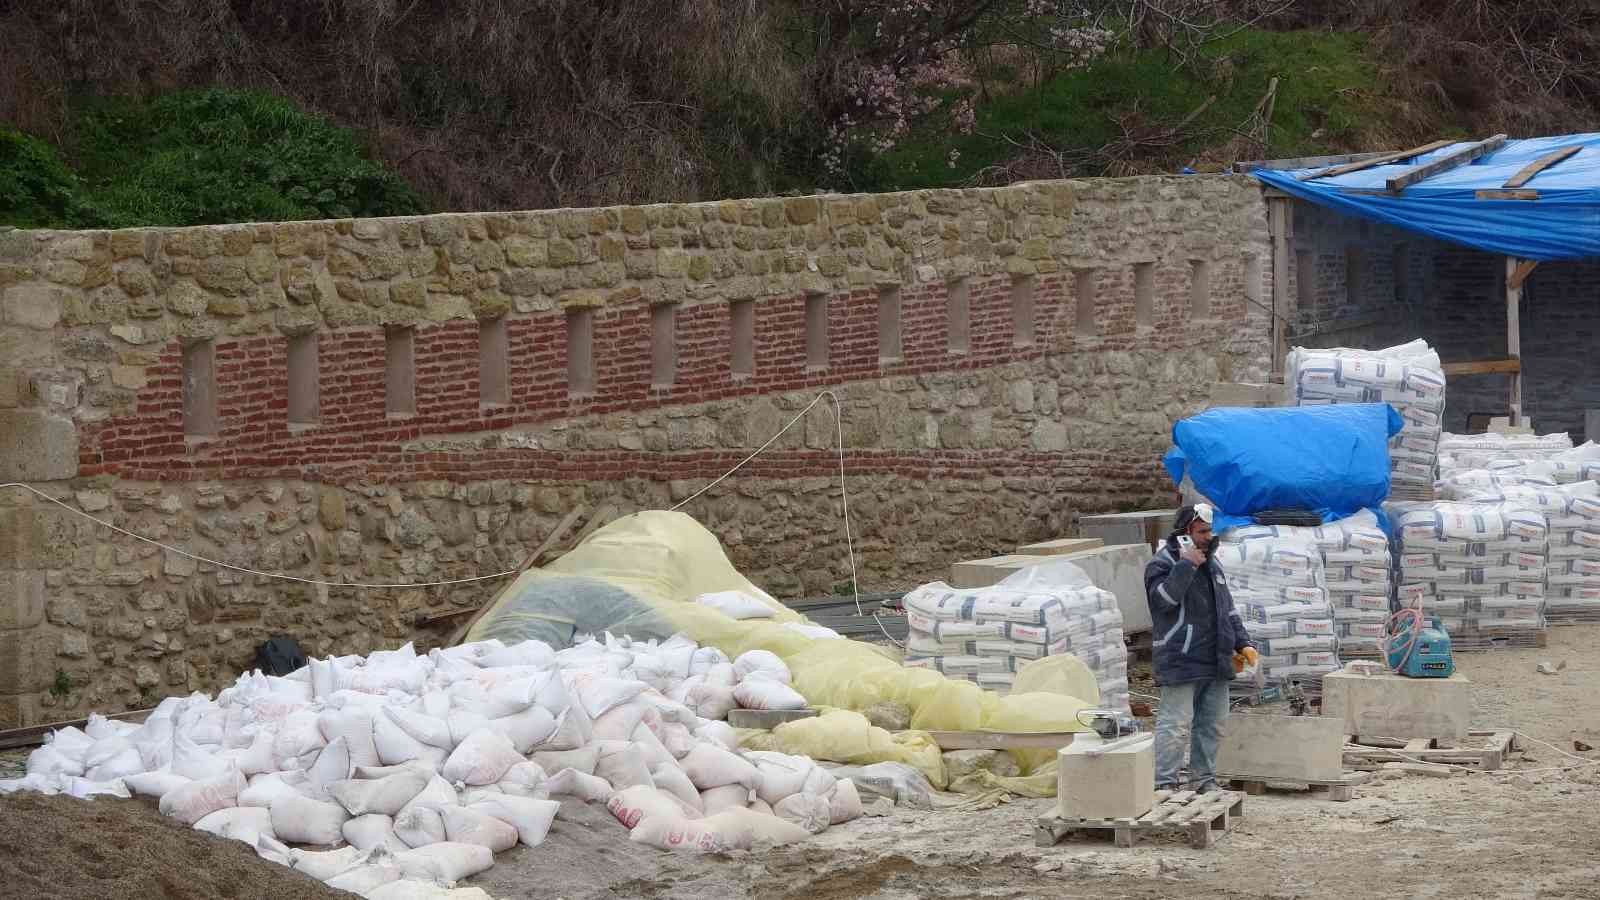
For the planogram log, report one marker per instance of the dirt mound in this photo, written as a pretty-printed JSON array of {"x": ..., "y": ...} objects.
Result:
[{"x": 61, "y": 847}]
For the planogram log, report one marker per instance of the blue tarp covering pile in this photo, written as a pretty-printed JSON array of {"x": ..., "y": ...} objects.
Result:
[
  {"x": 1333, "y": 460},
  {"x": 1563, "y": 223}
]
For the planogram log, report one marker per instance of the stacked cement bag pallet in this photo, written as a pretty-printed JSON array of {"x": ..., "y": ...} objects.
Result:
[
  {"x": 1358, "y": 566},
  {"x": 399, "y": 772},
  {"x": 1476, "y": 451},
  {"x": 1572, "y": 573},
  {"x": 1478, "y": 567},
  {"x": 984, "y": 635},
  {"x": 1279, "y": 586},
  {"x": 1408, "y": 377}
]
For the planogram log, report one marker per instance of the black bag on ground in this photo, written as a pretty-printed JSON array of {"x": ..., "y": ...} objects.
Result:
[{"x": 280, "y": 656}]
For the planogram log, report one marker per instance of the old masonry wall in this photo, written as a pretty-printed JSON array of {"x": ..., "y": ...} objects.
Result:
[{"x": 420, "y": 399}]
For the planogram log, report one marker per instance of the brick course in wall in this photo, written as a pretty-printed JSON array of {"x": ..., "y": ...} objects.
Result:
[{"x": 950, "y": 454}]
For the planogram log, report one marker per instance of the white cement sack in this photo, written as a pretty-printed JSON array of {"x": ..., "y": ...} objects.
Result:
[
  {"x": 711, "y": 700},
  {"x": 600, "y": 694},
  {"x": 762, "y": 693},
  {"x": 619, "y": 722},
  {"x": 419, "y": 825},
  {"x": 274, "y": 851},
  {"x": 125, "y": 763},
  {"x": 622, "y": 764},
  {"x": 526, "y": 729},
  {"x": 573, "y": 730},
  {"x": 710, "y": 766},
  {"x": 438, "y": 793},
  {"x": 265, "y": 788},
  {"x": 677, "y": 739},
  {"x": 720, "y": 833},
  {"x": 238, "y": 823},
  {"x": 368, "y": 831},
  {"x": 844, "y": 803},
  {"x": 655, "y": 753},
  {"x": 482, "y": 758},
  {"x": 48, "y": 761},
  {"x": 525, "y": 779},
  {"x": 325, "y": 864},
  {"x": 722, "y": 799},
  {"x": 761, "y": 664},
  {"x": 633, "y": 805},
  {"x": 333, "y": 764},
  {"x": 445, "y": 863},
  {"x": 571, "y": 782},
  {"x": 717, "y": 732},
  {"x": 704, "y": 658},
  {"x": 582, "y": 759},
  {"x": 470, "y": 826},
  {"x": 526, "y": 653},
  {"x": 355, "y": 727},
  {"x": 421, "y": 727},
  {"x": 735, "y": 605},
  {"x": 386, "y": 796},
  {"x": 363, "y": 880},
  {"x": 668, "y": 777},
  {"x": 530, "y": 817},
  {"x": 154, "y": 784},
  {"x": 194, "y": 801},
  {"x": 192, "y": 761},
  {"x": 808, "y": 811},
  {"x": 302, "y": 820}
]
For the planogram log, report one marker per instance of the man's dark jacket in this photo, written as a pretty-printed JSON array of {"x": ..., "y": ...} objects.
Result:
[{"x": 1195, "y": 630}]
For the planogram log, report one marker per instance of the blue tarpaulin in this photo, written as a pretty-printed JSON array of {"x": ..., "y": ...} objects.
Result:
[
  {"x": 1332, "y": 460},
  {"x": 1563, "y": 223}
]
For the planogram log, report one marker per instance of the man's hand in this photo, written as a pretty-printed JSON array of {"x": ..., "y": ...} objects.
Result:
[
  {"x": 1194, "y": 556},
  {"x": 1244, "y": 659}
]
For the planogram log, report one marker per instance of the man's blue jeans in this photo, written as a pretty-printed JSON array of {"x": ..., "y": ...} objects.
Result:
[{"x": 1190, "y": 716}]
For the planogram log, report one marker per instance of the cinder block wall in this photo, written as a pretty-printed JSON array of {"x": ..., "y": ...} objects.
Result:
[{"x": 411, "y": 400}]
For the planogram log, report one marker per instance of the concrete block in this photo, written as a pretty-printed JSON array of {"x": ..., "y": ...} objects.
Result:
[
  {"x": 1393, "y": 706},
  {"x": 27, "y": 663},
  {"x": 1118, "y": 784},
  {"x": 1144, "y": 527},
  {"x": 976, "y": 573},
  {"x": 1289, "y": 748},
  {"x": 37, "y": 446},
  {"x": 21, "y": 599},
  {"x": 1058, "y": 547},
  {"x": 1244, "y": 394}
]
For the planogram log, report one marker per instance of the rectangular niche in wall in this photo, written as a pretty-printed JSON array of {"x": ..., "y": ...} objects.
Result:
[
  {"x": 305, "y": 394},
  {"x": 958, "y": 297},
  {"x": 816, "y": 331},
  {"x": 742, "y": 325},
  {"x": 890, "y": 349},
  {"x": 580, "y": 351},
  {"x": 1199, "y": 288},
  {"x": 1022, "y": 302},
  {"x": 494, "y": 383},
  {"x": 1355, "y": 275},
  {"x": 1083, "y": 284},
  {"x": 663, "y": 345},
  {"x": 400, "y": 371},
  {"x": 1144, "y": 294},
  {"x": 200, "y": 389}
]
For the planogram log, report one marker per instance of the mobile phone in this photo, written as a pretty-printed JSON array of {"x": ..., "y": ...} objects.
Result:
[{"x": 1185, "y": 542}]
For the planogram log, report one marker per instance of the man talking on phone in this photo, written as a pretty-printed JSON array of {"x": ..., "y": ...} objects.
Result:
[{"x": 1199, "y": 644}]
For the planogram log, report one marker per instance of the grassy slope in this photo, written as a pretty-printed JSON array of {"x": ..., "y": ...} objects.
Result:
[{"x": 1329, "y": 100}]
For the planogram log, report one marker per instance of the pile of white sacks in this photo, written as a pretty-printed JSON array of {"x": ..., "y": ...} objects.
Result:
[{"x": 408, "y": 772}]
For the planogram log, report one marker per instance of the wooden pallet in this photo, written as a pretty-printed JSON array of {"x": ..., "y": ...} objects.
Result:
[
  {"x": 1202, "y": 816},
  {"x": 1372, "y": 753},
  {"x": 1572, "y": 616},
  {"x": 1341, "y": 790}
]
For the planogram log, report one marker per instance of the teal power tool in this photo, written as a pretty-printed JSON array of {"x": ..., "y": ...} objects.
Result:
[{"x": 1419, "y": 649}]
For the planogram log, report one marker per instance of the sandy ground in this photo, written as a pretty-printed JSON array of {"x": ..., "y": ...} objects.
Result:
[{"x": 1533, "y": 831}]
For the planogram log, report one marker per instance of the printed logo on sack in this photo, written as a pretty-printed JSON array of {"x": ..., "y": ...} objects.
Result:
[{"x": 675, "y": 837}]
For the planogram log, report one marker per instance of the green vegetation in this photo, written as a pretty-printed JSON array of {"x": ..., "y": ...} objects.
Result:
[
  {"x": 193, "y": 158},
  {"x": 1326, "y": 100}
]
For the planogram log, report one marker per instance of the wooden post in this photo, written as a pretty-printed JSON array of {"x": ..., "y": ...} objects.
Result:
[
  {"x": 1514, "y": 335},
  {"x": 1278, "y": 212}
]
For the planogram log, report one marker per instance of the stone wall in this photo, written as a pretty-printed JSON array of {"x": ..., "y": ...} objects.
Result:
[{"x": 1006, "y": 360}]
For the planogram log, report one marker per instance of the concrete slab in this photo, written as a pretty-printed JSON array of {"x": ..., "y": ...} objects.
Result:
[
  {"x": 1060, "y": 546},
  {"x": 1289, "y": 748},
  {"x": 1393, "y": 706},
  {"x": 976, "y": 573}
]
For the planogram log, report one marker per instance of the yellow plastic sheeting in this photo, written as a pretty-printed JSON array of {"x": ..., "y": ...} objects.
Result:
[
  {"x": 666, "y": 559},
  {"x": 1040, "y": 783},
  {"x": 839, "y": 735}
]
